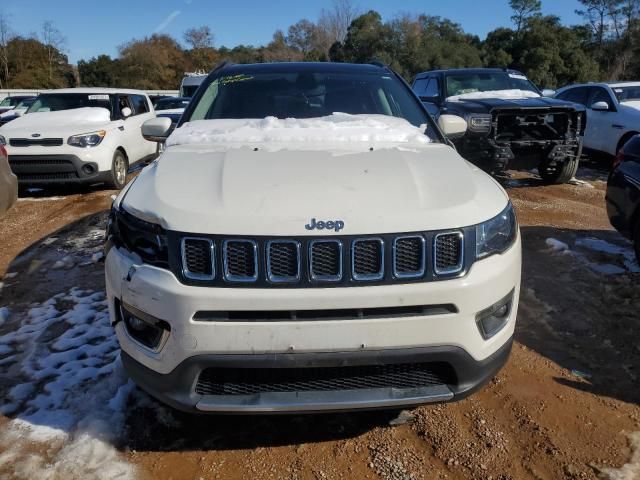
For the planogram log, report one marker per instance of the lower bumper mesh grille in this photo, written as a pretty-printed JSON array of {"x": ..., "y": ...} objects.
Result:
[{"x": 248, "y": 381}]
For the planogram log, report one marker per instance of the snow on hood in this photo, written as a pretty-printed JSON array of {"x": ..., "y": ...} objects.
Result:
[
  {"x": 502, "y": 94},
  {"x": 632, "y": 104},
  {"x": 338, "y": 129},
  {"x": 61, "y": 118}
]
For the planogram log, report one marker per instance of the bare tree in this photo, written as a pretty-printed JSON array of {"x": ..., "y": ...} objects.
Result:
[
  {"x": 201, "y": 37},
  {"x": 523, "y": 9},
  {"x": 5, "y": 37},
  {"x": 336, "y": 20},
  {"x": 54, "y": 41},
  {"x": 596, "y": 12}
]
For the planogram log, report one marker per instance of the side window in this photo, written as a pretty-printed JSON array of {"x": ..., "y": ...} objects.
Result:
[
  {"x": 140, "y": 104},
  {"x": 124, "y": 101},
  {"x": 420, "y": 86},
  {"x": 432, "y": 88},
  {"x": 575, "y": 95},
  {"x": 599, "y": 94}
]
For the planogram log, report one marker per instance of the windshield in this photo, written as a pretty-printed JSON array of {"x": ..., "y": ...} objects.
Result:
[
  {"x": 188, "y": 90},
  {"x": 25, "y": 103},
  {"x": 171, "y": 103},
  {"x": 53, "y": 102},
  {"x": 307, "y": 95},
  {"x": 627, "y": 94},
  {"x": 461, "y": 83},
  {"x": 9, "y": 102}
]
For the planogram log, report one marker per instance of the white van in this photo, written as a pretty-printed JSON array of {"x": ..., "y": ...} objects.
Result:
[{"x": 80, "y": 135}]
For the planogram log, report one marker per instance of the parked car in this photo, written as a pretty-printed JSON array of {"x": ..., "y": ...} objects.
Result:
[
  {"x": 8, "y": 183},
  {"x": 79, "y": 135},
  {"x": 623, "y": 192},
  {"x": 190, "y": 83},
  {"x": 309, "y": 241},
  {"x": 172, "y": 108},
  {"x": 613, "y": 113},
  {"x": 19, "y": 110},
  {"x": 9, "y": 103},
  {"x": 508, "y": 118}
]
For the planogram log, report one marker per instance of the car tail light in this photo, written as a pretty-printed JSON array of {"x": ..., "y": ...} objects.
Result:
[{"x": 618, "y": 159}]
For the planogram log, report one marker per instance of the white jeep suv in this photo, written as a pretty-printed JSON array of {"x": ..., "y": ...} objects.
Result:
[
  {"x": 310, "y": 241},
  {"x": 79, "y": 135}
]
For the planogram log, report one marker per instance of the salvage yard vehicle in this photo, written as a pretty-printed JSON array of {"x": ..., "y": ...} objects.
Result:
[
  {"x": 623, "y": 192},
  {"x": 19, "y": 110},
  {"x": 8, "y": 183},
  {"x": 9, "y": 103},
  {"x": 309, "y": 241},
  {"x": 613, "y": 113},
  {"x": 507, "y": 119},
  {"x": 79, "y": 135}
]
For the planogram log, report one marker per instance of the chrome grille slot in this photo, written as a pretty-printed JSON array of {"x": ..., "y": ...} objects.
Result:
[
  {"x": 198, "y": 258},
  {"x": 283, "y": 261},
  {"x": 448, "y": 253},
  {"x": 325, "y": 260},
  {"x": 240, "y": 258},
  {"x": 409, "y": 257},
  {"x": 367, "y": 259}
]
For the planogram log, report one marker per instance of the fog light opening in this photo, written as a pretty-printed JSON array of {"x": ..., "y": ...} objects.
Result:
[
  {"x": 493, "y": 319},
  {"x": 88, "y": 169},
  {"x": 143, "y": 328}
]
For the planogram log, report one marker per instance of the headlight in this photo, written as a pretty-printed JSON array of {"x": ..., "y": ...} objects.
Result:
[
  {"x": 3, "y": 141},
  {"x": 87, "y": 139},
  {"x": 147, "y": 240},
  {"x": 479, "y": 122},
  {"x": 496, "y": 235}
]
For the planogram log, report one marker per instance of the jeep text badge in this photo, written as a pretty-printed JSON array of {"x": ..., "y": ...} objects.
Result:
[{"x": 336, "y": 225}]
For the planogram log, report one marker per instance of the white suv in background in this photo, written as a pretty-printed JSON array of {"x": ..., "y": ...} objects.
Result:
[
  {"x": 613, "y": 113},
  {"x": 80, "y": 135},
  {"x": 283, "y": 256}
]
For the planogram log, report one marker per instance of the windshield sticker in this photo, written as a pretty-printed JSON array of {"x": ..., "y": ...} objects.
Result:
[
  {"x": 99, "y": 97},
  {"x": 517, "y": 76},
  {"x": 235, "y": 78},
  {"x": 618, "y": 90}
]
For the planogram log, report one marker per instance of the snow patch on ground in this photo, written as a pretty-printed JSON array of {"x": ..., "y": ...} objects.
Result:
[
  {"x": 621, "y": 258},
  {"x": 38, "y": 199},
  {"x": 67, "y": 405},
  {"x": 502, "y": 94},
  {"x": 338, "y": 129},
  {"x": 629, "y": 471}
]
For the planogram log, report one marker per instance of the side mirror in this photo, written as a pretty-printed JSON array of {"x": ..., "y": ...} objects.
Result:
[
  {"x": 156, "y": 129},
  {"x": 429, "y": 99},
  {"x": 452, "y": 125},
  {"x": 547, "y": 92},
  {"x": 600, "y": 106},
  {"x": 126, "y": 112}
]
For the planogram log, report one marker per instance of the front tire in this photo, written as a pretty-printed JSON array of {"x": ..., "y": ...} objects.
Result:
[
  {"x": 555, "y": 172},
  {"x": 118, "y": 174}
]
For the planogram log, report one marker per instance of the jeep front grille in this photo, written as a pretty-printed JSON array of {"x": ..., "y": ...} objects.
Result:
[
  {"x": 251, "y": 381},
  {"x": 448, "y": 252},
  {"x": 322, "y": 262},
  {"x": 240, "y": 260},
  {"x": 326, "y": 260},
  {"x": 198, "y": 258}
]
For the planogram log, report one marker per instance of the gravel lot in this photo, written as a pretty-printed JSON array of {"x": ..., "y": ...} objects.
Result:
[{"x": 565, "y": 406}]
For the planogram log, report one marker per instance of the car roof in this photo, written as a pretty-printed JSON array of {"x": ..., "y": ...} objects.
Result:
[
  {"x": 296, "y": 67},
  {"x": 456, "y": 71},
  {"x": 112, "y": 91}
]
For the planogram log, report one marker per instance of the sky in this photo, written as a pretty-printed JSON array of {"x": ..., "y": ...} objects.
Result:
[{"x": 94, "y": 28}]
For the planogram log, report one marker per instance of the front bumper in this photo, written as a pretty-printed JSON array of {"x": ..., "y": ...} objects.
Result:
[
  {"x": 176, "y": 388},
  {"x": 452, "y": 337},
  {"x": 58, "y": 168}
]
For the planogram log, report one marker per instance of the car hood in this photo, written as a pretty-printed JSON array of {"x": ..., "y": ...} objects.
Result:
[
  {"x": 246, "y": 191},
  {"x": 485, "y": 105},
  {"x": 60, "y": 123}
]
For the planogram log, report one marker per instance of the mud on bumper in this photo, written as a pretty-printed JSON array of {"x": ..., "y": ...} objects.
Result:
[{"x": 316, "y": 382}]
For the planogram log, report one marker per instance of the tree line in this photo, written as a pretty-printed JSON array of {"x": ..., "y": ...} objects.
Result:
[{"x": 604, "y": 46}]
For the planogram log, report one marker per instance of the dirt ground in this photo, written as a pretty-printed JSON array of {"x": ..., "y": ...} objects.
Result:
[{"x": 566, "y": 406}]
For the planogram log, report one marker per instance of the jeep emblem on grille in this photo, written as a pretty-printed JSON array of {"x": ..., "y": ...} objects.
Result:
[{"x": 336, "y": 225}]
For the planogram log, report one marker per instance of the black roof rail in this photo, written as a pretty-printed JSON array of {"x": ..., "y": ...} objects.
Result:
[
  {"x": 221, "y": 65},
  {"x": 378, "y": 63}
]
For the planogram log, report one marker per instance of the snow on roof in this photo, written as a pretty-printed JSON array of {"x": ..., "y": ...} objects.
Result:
[
  {"x": 339, "y": 130},
  {"x": 501, "y": 94}
]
